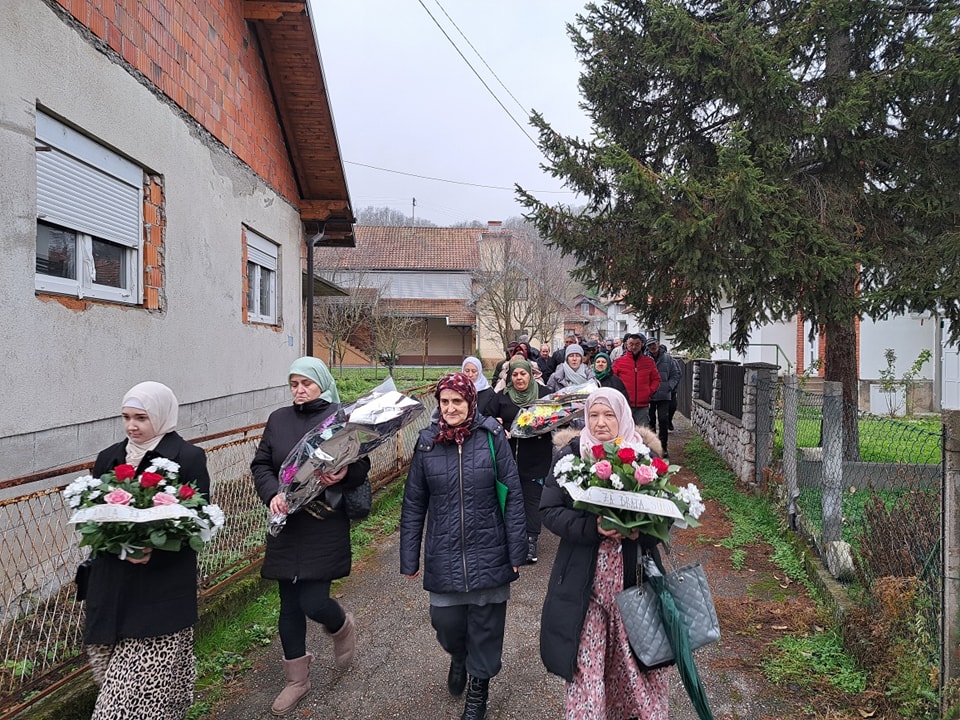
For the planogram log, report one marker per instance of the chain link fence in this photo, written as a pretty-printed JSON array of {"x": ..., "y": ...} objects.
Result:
[
  {"x": 41, "y": 624},
  {"x": 867, "y": 496}
]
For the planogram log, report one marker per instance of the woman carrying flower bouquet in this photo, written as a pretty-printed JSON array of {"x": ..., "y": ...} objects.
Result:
[
  {"x": 313, "y": 549},
  {"x": 473, "y": 369},
  {"x": 473, "y": 547},
  {"x": 582, "y": 636},
  {"x": 532, "y": 454},
  {"x": 140, "y": 611}
]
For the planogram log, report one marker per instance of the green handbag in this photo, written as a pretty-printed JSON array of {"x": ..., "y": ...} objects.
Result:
[{"x": 501, "y": 487}]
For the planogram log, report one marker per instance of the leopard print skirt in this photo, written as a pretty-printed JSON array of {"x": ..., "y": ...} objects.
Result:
[{"x": 144, "y": 678}]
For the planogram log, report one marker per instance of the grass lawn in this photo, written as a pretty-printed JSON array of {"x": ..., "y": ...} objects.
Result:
[
  {"x": 915, "y": 441},
  {"x": 354, "y": 382}
]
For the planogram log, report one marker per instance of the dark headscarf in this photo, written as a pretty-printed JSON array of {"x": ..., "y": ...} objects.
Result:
[
  {"x": 524, "y": 398},
  {"x": 464, "y": 387},
  {"x": 601, "y": 375}
]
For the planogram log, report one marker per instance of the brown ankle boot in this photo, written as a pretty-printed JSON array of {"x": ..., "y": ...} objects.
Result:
[
  {"x": 345, "y": 643},
  {"x": 297, "y": 674}
]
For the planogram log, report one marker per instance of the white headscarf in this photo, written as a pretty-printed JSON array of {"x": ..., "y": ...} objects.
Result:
[
  {"x": 615, "y": 400},
  {"x": 160, "y": 405},
  {"x": 481, "y": 382}
]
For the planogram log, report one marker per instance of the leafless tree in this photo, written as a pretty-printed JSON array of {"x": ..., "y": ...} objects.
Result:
[
  {"x": 521, "y": 285},
  {"x": 391, "y": 333},
  {"x": 340, "y": 317},
  {"x": 371, "y": 215}
]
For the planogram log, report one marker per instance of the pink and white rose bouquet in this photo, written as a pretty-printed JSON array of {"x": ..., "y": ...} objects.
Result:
[{"x": 125, "y": 514}]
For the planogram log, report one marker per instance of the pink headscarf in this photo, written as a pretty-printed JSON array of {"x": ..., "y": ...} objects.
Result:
[{"x": 615, "y": 400}]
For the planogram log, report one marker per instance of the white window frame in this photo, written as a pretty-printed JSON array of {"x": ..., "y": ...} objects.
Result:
[
  {"x": 88, "y": 189},
  {"x": 264, "y": 257}
]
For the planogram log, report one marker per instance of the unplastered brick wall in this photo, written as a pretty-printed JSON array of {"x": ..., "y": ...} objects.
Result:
[
  {"x": 154, "y": 233},
  {"x": 202, "y": 55}
]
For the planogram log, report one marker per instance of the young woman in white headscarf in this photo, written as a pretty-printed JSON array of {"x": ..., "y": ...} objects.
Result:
[
  {"x": 313, "y": 549},
  {"x": 532, "y": 454},
  {"x": 582, "y": 636},
  {"x": 473, "y": 369},
  {"x": 140, "y": 612}
]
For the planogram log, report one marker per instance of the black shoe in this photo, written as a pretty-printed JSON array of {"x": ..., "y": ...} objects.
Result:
[
  {"x": 457, "y": 676},
  {"x": 475, "y": 707},
  {"x": 531, "y": 550},
  {"x": 670, "y": 427}
]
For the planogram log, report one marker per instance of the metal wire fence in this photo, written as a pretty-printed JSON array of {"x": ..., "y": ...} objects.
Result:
[
  {"x": 869, "y": 497},
  {"x": 40, "y": 622}
]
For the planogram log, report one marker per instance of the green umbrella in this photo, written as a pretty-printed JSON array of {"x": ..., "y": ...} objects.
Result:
[{"x": 680, "y": 642}]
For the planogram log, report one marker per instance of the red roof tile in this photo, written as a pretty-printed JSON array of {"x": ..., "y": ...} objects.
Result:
[
  {"x": 405, "y": 248},
  {"x": 455, "y": 312}
]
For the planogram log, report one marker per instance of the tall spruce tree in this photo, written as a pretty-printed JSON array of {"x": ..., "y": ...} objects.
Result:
[{"x": 779, "y": 157}]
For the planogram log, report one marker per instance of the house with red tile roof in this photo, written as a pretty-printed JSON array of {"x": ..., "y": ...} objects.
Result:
[
  {"x": 162, "y": 164},
  {"x": 436, "y": 275}
]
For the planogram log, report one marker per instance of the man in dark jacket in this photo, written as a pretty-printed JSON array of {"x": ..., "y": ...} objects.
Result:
[
  {"x": 639, "y": 375},
  {"x": 660, "y": 400},
  {"x": 545, "y": 363}
]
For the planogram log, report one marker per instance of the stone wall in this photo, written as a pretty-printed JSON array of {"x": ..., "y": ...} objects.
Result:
[{"x": 739, "y": 441}]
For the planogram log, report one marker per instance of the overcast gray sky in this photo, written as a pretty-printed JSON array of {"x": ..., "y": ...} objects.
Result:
[{"x": 403, "y": 99}]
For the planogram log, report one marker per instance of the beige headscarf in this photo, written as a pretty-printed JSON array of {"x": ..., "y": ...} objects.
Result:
[{"x": 160, "y": 405}]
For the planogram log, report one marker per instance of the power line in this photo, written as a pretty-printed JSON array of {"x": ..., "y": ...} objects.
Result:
[
  {"x": 485, "y": 64},
  {"x": 482, "y": 81},
  {"x": 453, "y": 182}
]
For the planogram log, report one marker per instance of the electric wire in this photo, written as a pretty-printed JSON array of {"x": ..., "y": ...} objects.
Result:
[
  {"x": 453, "y": 182},
  {"x": 485, "y": 64},
  {"x": 482, "y": 81}
]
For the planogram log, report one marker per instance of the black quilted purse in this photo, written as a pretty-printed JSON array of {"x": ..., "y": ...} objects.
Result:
[{"x": 357, "y": 502}]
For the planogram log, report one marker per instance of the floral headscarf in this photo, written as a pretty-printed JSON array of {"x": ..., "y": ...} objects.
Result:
[
  {"x": 525, "y": 397},
  {"x": 462, "y": 386},
  {"x": 600, "y": 375},
  {"x": 615, "y": 400}
]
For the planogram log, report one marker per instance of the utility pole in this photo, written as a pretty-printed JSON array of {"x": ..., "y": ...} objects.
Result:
[{"x": 413, "y": 217}]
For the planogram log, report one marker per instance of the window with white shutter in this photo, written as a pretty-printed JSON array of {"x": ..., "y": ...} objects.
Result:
[
  {"x": 89, "y": 217},
  {"x": 262, "y": 264}
]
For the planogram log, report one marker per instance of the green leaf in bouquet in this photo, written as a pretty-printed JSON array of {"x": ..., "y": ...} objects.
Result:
[
  {"x": 158, "y": 538},
  {"x": 196, "y": 543}
]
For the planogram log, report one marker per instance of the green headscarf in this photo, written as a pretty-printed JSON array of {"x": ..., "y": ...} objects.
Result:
[
  {"x": 601, "y": 375},
  {"x": 311, "y": 367},
  {"x": 521, "y": 399}
]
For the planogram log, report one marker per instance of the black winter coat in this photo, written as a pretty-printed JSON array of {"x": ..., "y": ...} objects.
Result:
[
  {"x": 612, "y": 381},
  {"x": 159, "y": 597},
  {"x": 533, "y": 454},
  {"x": 306, "y": 548},
  {"x": 470, "y": 544},
  {"x": 571, "y": 580}
]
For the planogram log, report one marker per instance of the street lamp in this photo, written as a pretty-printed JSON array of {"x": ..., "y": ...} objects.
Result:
[{"x": 332, "y": 232}]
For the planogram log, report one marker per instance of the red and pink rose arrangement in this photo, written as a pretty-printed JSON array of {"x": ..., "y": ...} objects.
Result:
[
  {"x": 125, "y": 514},
  {"x": 618, "y": 469}
]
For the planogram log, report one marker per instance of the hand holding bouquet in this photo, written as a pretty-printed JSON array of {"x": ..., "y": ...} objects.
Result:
[
  {"x": 553, "y": 411},
  {"x": 350, "y": 434},
  {"x": 629, "y": 489},
  {"x": 126, "y": 515}
]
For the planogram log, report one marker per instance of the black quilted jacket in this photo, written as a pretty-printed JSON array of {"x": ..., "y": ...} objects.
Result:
[{"x": 450, "y": 490}]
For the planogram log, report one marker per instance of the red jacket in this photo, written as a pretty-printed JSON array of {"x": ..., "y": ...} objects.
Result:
[{"x": 639, "y": 375}]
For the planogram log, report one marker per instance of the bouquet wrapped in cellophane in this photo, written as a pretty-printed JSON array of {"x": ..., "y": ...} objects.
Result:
[
  {"x": 351, "y": 433},
  {"x": 552, "y": 411}
]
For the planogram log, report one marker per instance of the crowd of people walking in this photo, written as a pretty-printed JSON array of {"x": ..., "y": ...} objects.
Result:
[{"x": 459, "y": 532}]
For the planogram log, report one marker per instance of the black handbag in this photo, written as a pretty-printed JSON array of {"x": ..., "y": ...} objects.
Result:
[
  {"x": 82, "y": 579},
  {"x": 357, "y": 501}
]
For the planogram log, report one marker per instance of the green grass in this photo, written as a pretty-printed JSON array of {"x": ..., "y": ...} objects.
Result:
[
  {"x": 354, "y": 382},
  {"x": 913, "y": 441},
  {"x": 806, "y": 661},
  {"x": 753, "y": 520},
  {"x": 224, "y": 652}
]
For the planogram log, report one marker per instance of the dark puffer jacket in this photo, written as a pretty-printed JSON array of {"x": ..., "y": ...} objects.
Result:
[
  {"x": 571, "y": 580},
  {"x": 470, "y": 544},
  {"x": 306, "y": 548}
]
